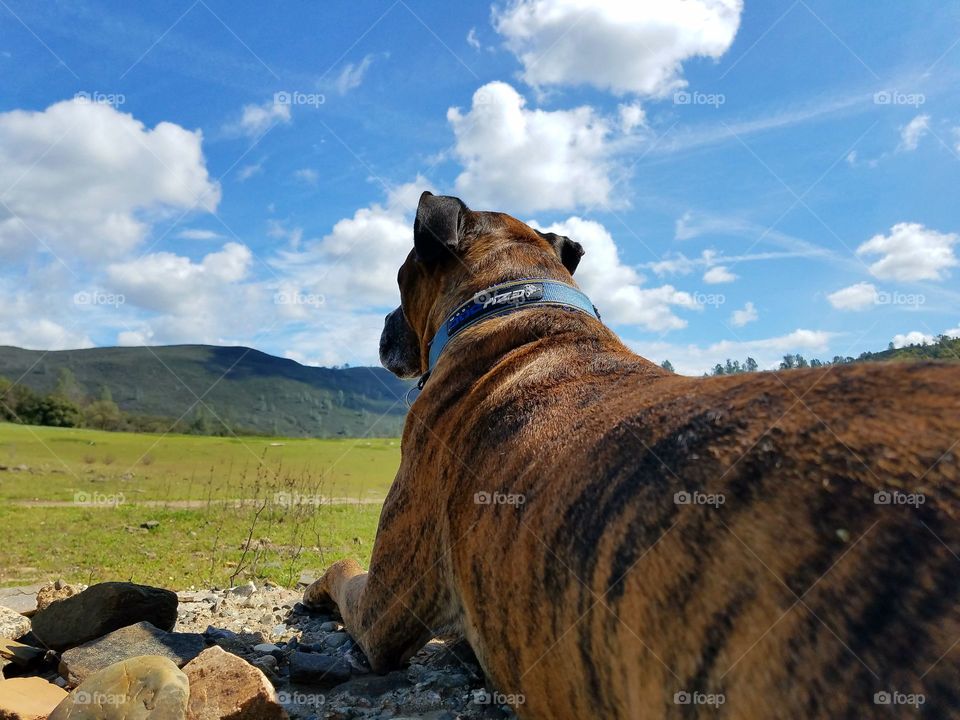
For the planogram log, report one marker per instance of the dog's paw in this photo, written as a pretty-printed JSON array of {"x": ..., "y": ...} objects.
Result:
[{"x": 321, "y": 595}]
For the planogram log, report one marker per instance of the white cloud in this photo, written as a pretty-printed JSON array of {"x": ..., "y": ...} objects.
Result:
[
  {"x": 85, "y": 179},
  {"x": 742, "y": 317},
  {"x": 620, "y": 45},
  {"x": 248, "y": 171},
  {"x": 718, "y": 274},
  {"x": 135, "y": 338},
  {"x": 856, "y": 297},
  {"x": 913, "y": 132},
  {"x": 355, "y": 265},
  {"x": 616, "y": 288},
  {"x": 307, "y": 175},
  {"x": 257, "y": 119},
  {"x": 175, "y": 285},
  {"x": 911, "y": 252},
  {"x": 41, "y": 334},
  {"x": 632, "y": 116},
  {"x": 696, "y": 359},
  {"x": 531, "y": 160},
  {"x": 196, "y": 234},
  {"x": 912, "y": 338},
  {"x": 352, "y": 75},
  {"x": 472, "y": 39}
]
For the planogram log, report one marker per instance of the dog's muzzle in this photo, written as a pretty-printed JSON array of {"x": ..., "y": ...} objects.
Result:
[{"x": 399, "y": 346}]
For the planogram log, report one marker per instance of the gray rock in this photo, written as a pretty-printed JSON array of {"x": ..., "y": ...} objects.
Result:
[
  {"x": 375, "y": 685},
  {"x": 100, "y": 609},
  {"x": 266, "y": 648},
  {"x": 133, "y": 641},
  {"x": 329, "y": 626},
  {"x": 13, "y": 625},
  {"x": 335, "y": 640},
  {"x": 314, "y": 669},
  {"x": 20, "y": 599}
]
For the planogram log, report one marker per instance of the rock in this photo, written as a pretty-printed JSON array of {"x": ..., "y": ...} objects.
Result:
[
  {"x": 20, "y": 654},
  {"x": 13, "y": 625},
  {"x": 141, "y": 688},
  {"x": 20, "y": 599},
  {"x": 329, "y": 626},
  {"x": 101, "y": 609},
  {"x": 313, "y": 669},
  {"x": 133, "y": 641},
  {"x": 225, "y": 686},
  {"x": 150, "y": 524},
  {"x": 245, "y": 591},
  {"x": 376, "y": 685},
  {"x": 308, "y": 577},
  {"x": 335, "y": 640},
  {"x": 49, "y": 594},
  {"x": 267, "y": 663},
  {"x": 28, "y": 698},
  {"x": 266, "y": 648}
]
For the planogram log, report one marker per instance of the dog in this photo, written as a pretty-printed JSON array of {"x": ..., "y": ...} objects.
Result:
[{"x": 616, "y": 541}]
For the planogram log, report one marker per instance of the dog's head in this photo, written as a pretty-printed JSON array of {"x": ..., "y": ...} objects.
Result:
[{"x": 457, "y": 253}]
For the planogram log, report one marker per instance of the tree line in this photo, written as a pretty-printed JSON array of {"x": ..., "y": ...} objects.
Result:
[{"x": 69, "y": 406}]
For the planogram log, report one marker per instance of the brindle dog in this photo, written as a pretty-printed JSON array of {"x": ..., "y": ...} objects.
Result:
[{"x": 773, "y": 545}]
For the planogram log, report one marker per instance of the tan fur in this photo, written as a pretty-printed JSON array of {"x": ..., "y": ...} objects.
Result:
[{"x": 599, "y": 596}]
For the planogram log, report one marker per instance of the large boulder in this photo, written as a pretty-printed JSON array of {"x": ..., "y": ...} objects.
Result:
[
  {"x": 13, "y": 625},
  {"x": 223, "y": 685},
  {"x": 28, "y": 698},
  {"x": 22, "y": 599},
  {"x": 141, "y": 688},
  {"x": 101, "y": 609},
  {"x": 77, "y": 664}
]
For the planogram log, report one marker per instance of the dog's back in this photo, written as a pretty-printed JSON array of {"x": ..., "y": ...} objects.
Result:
[{"x": 776, "y": 545}]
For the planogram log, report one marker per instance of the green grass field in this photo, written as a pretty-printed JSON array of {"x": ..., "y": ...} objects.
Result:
[{"x": 229, "y": 509}]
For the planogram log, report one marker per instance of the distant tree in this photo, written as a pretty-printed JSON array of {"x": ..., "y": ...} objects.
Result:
[
  {"x": 105, "y": 394},
  {"x": 57, "y": 411},
  {"x": 750, "y": 365},
  {"x": 7, "y": 409},
  {"x": 668, "y": 366},
  {"x": 103, "y": 415},
  {"x": 67, "y": 386},
  {"x": 201, "y": 424},
  {"x": 718, "y": 369}
]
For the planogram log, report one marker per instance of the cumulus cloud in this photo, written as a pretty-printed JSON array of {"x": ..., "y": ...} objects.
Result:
[
  {"x": 913, "y": 132},
  {"x": 697, "y": 359},
  {"x": 744, "y": 316},
  {"x": 912, "y": 338},
  {"x": 718, "y": 274},
  {"x": 173, "y": 284},
  {"x": 257, "y": 119},
  {"x": 85, "y": 178},
  {"x": 911, "y": 252},
  {"x": 617, "y": 289},
  {"x": 42, "y": 334},
  {"x": 531, "y": 160},
  {"x": 355, "y": 265},
  {"x": 624, "y": 46},
  {"x": 856, "y": 297}
]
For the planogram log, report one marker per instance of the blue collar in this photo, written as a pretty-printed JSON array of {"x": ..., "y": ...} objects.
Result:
[{"x": 502, "y": 299}]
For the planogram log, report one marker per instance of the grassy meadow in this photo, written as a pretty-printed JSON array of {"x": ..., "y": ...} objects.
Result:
[{"x": 72, "y": 503}]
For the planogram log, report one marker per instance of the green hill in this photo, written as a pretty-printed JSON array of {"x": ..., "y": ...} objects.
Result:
[{"x": 247, "y": 390}]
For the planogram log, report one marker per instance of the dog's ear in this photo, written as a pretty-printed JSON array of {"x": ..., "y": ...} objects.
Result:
[
  {"x": 438, "y": 229},
  {"x": 567, "y": 250}
]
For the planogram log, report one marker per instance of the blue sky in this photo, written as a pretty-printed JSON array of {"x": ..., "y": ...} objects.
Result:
[{"x": 747, "y": 178}]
